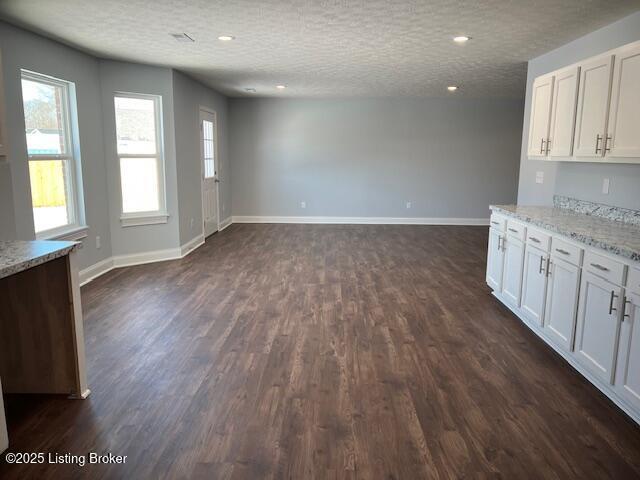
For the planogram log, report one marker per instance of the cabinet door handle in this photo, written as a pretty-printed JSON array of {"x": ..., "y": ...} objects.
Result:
[
  {"x": 599, "y": 267},
  {"x": 534, "y": 239},
  {"x": 540, "y": 269},
  {"x": 513, "y": 230},
  {"x": 564, "y": 252},
  {"x": 613, "y": 297},
  {"x": 499, "y": 240},
  {"x": 624, "y": 308},
  {"x": 606, "y": 142},
  {"x": 542, "y": 145},
  {"x": 598, "y": 138},
  {"x": 549, "y": 264},
  {"x": 548, "y": 146}
]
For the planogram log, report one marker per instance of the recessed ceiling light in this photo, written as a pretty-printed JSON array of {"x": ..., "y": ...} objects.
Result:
[
  {"x": 461, "y": 39},
  {"x": 182, "y": 37},
  {"x": 281, "y": 87},
  {"x": 452, "y": 88},
  {"x": 226, "y": 38}
]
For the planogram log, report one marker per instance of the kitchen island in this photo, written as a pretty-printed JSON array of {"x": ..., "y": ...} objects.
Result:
[{"x": 41, "y": 327}]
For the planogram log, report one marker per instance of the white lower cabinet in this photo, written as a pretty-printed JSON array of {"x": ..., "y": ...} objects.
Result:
[
  {"x": 582, "y": 301},
  {"x": 561, "y": 302},
  {"x": 627, "y": 382},
  {"x": 512, "y": 276},
  {"x": 495, "y": 259},
  {"x": 598, "y": 326},
  {"x": 534, "y": 284}
]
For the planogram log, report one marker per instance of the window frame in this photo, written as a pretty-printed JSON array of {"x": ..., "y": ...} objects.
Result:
[
  {"x": 151, "y": 217},
  {"x": 76, "y": 228}
]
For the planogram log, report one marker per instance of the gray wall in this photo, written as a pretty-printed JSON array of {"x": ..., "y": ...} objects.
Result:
[
  {"x": 449, "y": 157},
  {"x": 22, "y": 49},
  {"x": 581, "y": 180},
  {"x": 134, "y": 78},
  {"x": 188, "y": 97}
]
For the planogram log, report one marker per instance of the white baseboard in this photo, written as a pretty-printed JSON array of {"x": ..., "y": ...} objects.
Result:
[
  {"x": 225, "y": 223},
  {"x": 191, "y": 245},
  {"x": 94, "y": 271},
  {"x": 364, "y": 220}
]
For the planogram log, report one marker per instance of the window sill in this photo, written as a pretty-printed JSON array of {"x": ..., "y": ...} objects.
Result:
[
  {"x": 73, "y": 234},
  {"x": 146, "y": 219}
]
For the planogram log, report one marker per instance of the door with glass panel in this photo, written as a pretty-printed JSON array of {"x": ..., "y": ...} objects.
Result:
[{"x": 209, "y": 159}]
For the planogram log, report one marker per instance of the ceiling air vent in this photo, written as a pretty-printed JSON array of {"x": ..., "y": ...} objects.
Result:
[{"x": 182, "y": 37}]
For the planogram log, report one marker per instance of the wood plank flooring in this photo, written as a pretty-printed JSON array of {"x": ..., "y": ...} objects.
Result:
[{"x": 321, "y": 352}]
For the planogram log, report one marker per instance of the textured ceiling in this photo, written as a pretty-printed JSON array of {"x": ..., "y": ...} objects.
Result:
[{"x": 322, "y": 48}]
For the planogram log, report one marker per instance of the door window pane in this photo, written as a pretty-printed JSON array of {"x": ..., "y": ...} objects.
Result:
[
  {"x": 209, "y": 149},
  {"x": 44, "y": 118},
  {"x": 49, "y": 193},
  {"x": 135, "y": 126},
  {"x": 139, "y": 179}
]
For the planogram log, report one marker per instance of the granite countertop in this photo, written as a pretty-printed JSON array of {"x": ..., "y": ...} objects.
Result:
[
  {"x": 16, "y": 256},
  {"x": 613, "y": 236}
]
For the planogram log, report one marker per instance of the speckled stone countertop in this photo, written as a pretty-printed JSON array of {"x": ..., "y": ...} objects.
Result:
[
  {"x": 16, "y": 256},
  {"x": 615, "y": 237}
]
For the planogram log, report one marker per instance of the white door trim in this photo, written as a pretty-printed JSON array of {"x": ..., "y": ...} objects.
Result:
[{"x": 217, "y": 164}]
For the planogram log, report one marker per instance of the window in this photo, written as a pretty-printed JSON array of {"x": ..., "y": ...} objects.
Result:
[
  {"x": 139, "y": 148},
  {"x": 209, "y": 149},
  {"x": 53, "y": 169}
]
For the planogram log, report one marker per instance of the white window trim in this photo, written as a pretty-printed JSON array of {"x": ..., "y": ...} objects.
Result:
[
  {"x": 135, "y": 219},
  {"x": 73, "y": 155}
]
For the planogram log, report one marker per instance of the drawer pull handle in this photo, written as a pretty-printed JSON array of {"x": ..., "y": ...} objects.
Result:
[
  {"x": 624, "y": 309},
  {"x": 599, "y": 267},
  {"x": 513, "y": 230},
  {"x": 564, "y": 252},
  {"x": 534, "y": 239},
  {"x": 613, "y": 296},
  {"x": 494, "y": 223}
]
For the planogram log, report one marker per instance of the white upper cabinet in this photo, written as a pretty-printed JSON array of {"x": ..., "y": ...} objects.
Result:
[
  {"x": 593, "y": 103},
  {"x": 540, "y": 116},
  {"x": 623, "y": 139},
  {"x": 563, "y": 112}
]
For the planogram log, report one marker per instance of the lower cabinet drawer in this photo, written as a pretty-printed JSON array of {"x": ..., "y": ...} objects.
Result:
[
  {"x": 516, "y": 229},
  {"x": 539, "y": 239},
  {"x": 604, "y": 267},
  {"x": 498, "y": 222},
  {"x": 567, "y": 251}
]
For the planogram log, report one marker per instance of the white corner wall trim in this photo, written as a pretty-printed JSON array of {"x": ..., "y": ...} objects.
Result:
[
  {"x": 95, "y": 270},
  {"x": 365, "y": 220},
  {"x": 104, "y": 266},
  {"x": 191, "y": 245},
  {"x": 225, "y": 223}
]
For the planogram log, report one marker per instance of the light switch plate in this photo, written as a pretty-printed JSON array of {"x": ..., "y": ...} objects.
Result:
[
  {"x": 539, "y": 177},
  {"x": 605, "y": 186}
]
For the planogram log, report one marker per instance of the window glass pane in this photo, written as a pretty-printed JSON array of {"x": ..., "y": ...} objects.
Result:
[
  {"x": 43, "y": 118},
  {"x": 208, "y": 149},
  {"x": 135, "y": 125},
  {"x": 139, "y": 178},
  {"x": 49, "y": 190}
]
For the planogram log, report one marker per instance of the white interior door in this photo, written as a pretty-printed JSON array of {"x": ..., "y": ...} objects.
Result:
[
  {"x": 209, "y": 161},
  {"x": 593, "y": 103}
]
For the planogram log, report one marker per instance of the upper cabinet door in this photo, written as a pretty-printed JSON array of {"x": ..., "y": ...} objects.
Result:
[
  {"x": 623, "y": 138},
  {"x": 593, "y": 102},
  {"x": 563, "y": 112},
  {"x": 540, "y": 116}
]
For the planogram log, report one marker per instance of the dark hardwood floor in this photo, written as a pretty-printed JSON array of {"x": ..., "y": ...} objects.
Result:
[{"x": 322, "y": 351}]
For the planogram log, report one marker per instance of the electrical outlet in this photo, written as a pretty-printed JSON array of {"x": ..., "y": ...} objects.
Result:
[
  {"x": 303, "y": 204},
  {"x": 539, "y": 177},
  {"x": 605, "y": 186},
  {"x": 98, "y": 242},
  {"x": 408, "y": 205}
]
